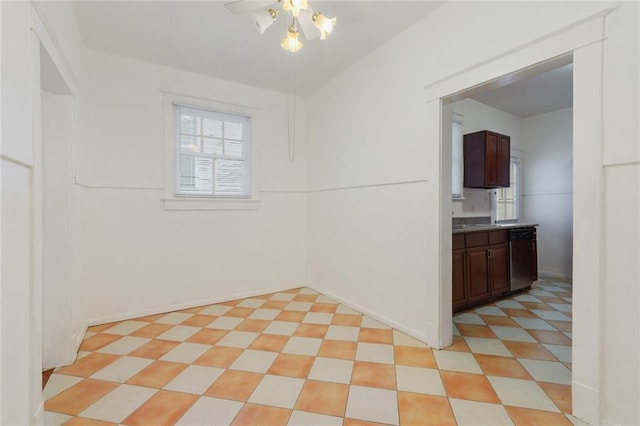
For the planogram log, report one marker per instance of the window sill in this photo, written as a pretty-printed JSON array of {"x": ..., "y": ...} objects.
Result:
[{"x": 193, "y": 203}]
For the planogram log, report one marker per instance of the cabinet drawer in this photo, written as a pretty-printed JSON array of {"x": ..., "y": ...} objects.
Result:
[
  {"x": 477, "y": 239},
  {"x": 457, "y": 241},
  {"x": 498, "y": 237}
]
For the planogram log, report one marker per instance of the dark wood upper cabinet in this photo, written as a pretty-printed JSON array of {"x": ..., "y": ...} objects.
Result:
[{"x": 486, "y": 160}]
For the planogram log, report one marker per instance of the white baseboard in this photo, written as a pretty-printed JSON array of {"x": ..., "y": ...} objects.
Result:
[
  {"x": 387, "y": 321},
  {"x": 187, "y": 305},
  {"x": 38, "y": 416},
  {"x": 586, "y": 403}
]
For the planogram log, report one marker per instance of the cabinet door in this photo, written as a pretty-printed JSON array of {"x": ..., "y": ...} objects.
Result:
[
  {"x": 534, "y": 260},
  {"x": 459, "y": 290},
  {"x": 504, "y": 158},
  {"x": 492, "y": 169},
  {"x": 478, "y": 273},
  {"x": 499, "y": 268}
]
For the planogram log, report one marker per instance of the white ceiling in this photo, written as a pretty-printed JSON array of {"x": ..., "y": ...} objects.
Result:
[
  {"x": 541, "y": 93},
  {"x": 204, "y": 37}
]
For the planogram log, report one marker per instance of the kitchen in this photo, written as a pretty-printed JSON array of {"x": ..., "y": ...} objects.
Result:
[{"x": 527, "y": 187}]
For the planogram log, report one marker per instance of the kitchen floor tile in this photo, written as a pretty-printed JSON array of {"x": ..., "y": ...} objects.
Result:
[
  {"x": 480, "y": 345},
  {"x": 340, "y": 332},
  {"x": 501, "y": 366},
  {"x": 88, "y": 365},
  {"x": 57, "y": 383},
  {"x": 119, "y": 403},
  {"x": 562, "y": 352},
  {"x": 291, "y": 365},
  {"x": 529, "y": 350},
  {"x": 311, "y": 330},
  {"x": 373, "y": 375},
  {"x": 533, "y": 324},
  {"x": 512, "y": 333},
  {"x": 219, "y": 356},
  {"x": 547, "y": 371},
  {"x": 186, "y": 352},
  {"x": 346, "y": 320},
  {"x": 122, "y": 369},
  {"x": 254, "y": 361},
  {"x": 179, "y": 333},
  {"x": 375, "y": 352},
  {"x": 277, "y": 391},
  {"x": 282, "y": 328},
  {"x": 521, "y": 393},
  {"x": 372, "y": 404},
  {"x": 468, "y": 318},
  {"x": 338, "y": 349},
  {"x": 529, "y": 417},
  {"x": 236, "y": 385},
  {"x": 213, "y": 411},
  {"x": 419, "y": 380},
  {"x": 268, "y": 342},
  {"x": 163, "y": 408},
  {"x": 414, "y": 356},
  {"x": 78, "y": 397},
  {"x": 331, "y": 370},
  {"x": 470, "y": 387},
  {"x": 125, "y": 328},
  {"x": 195, "y": 379},
  {"x": 252, "y": 414},
  {"x": 323, "y": 398},
  {"x": 419, "y": 409},
  {"x": 237, "y": 339},
  {"x": 471, "y": 413},
  {"x": 299, "y": 418},
  {"x": 457, "y": 361},
  {"x": 302, "y": 346},
  {"x": 124, "y": 345},
  {"x": 157, "y": 374}
]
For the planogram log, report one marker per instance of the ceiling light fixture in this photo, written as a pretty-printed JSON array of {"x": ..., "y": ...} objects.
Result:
[{"x": 313, "y": 24}]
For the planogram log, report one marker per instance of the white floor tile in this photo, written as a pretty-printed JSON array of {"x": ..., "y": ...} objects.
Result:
[
  {"x": 174, "y": 318},
  {"x": 302, "y": 346},
  {"x": 124, "y": 345},
  {"x": 57, "y": 419},
  {"x": 225, "y": 323},
  {"x": 401, "y": 339},
  {"x": 307, "y": 290},
  {"x": 254, "y": 361},
  {"x": 527, "y": 298},
  {"x": 194, "y": 379},
  {"x": 238, "y": 339},
  {"x": 125, "y": 328},
  {"x": 282, "y": 328},
  {"x": 484, "y": 346},
  {"x": 468, "y": 318},
  {"x": 264, "y": 314},
  {"x": 298, "y": 306},
  {"x": 455, "y": 331},
  {"x": 57, "y": 383},
  {"x": 375, "y": 352},
  {"x": 324, "y": 299},
  {"x": 303, "y": 418},
  {"x": 215, "y": 310},
  {"x": 317, "y": 318},
  {"x": 419, "y": 380},
  {"x": 470, "y": 413},
  {"x": 122, "y": 369},
  {"x": 118, "y": 404},
  {"x": 343, "y": 309},
  {"x": 540, "y": 292},
  {"x": 547, "y": 371},
  {"x": 331, "y": 370},
  {"x": 512, "y": 333},
  {"x": 211, "y": 411},
  {"x": 562, "y": 352},
  {"x": 490, "y": 310},
  {"x": 368, "y": 322},
  {"x": 562, "y": 307},
  {"x": 522, "y": 393},
  {"x": 282, "y": 297},
  {"x": 277, "y": 391},
  {"x": 372, "y": 404},
  {"x": 179, "y": 333},
  {"x": 457, "y": 361},
  {"x": 251, "y": 303},
  {"x": 576, "y": 421},
  {"x": 551, "y": 315},
  {"x": 510, "y": 304},
  {"x": 533, "y": 324},
  {"x": 568, "y": 334},
  {"x": 185, "y": 352},
  {"x": 82, "y": 354},
  {"x": 568, "y": 299},
  {"x": 340, "y": 332},
  {"x": 559, "y": 290}
]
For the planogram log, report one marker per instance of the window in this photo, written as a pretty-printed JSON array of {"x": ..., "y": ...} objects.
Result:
[
  {"x": 507, "y": 200},
  {"x": 457, "y": 160},
  {"x": 212, "y": 153}
]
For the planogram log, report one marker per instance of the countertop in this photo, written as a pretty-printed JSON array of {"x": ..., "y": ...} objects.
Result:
[{"x": 457, "y": 229}]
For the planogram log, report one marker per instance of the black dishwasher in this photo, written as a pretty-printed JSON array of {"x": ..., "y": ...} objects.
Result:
[{"x": 521, "y": 249}]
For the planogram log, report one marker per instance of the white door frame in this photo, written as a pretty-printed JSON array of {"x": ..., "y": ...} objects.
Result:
[{"x": 583, "y": 42}]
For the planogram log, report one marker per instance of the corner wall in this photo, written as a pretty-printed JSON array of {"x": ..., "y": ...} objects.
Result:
[
  {"x": 548, "y": 188},
  {"x": 134, "y": 257}
]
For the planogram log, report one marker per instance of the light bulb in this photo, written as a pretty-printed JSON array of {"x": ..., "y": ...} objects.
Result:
[
  {"x": 324, "y": 24},
  {"x": 291, "y": 43},
  {"x": 295, "y": 6}
]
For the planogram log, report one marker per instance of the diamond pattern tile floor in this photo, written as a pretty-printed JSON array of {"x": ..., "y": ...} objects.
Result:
[{"x": 300, "y": 358}]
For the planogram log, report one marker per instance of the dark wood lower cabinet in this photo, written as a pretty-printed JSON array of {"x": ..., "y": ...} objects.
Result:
[
  {"x": 481, "y": 270},
  {"x": 459, "y": 288},
  {"x": 534, "y": 260}
]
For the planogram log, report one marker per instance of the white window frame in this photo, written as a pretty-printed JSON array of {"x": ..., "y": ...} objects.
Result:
[
  {"x": 457, "y": 119},
  {"x": 517, "y": 191},
  {"x": 172, "y": 199}
]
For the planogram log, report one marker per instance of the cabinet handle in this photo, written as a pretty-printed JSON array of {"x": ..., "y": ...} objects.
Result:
[{"x": 489, "y": 254}]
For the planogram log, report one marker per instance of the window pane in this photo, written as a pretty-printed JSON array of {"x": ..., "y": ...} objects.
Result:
[
  {"x": 189, "y": 143},
  {"x": 230, "y": 177},
  {"x": 189, "y": 124},
  {"x": 233, "y": 148},
  {"x": 196, "y": 175},
  {"x": 457, "y": 164},
  {"x": 233, "y": 130},
  {"x": 212, "y": 146},
  {"x": 212, "y": 128}
]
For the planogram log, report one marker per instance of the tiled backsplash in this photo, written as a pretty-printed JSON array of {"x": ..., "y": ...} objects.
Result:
[{"x": 474, "y": 220}]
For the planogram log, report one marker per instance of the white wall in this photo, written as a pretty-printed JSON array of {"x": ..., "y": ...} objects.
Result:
[
  {"x": 548, "y": 188},
  {"x": 476, "y": 117},
  {"x": 366, "y": 142},
  {"x": 133, "y": 256}
]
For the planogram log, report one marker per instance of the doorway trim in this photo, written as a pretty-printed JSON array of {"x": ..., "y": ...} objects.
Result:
[{"x": 582, "y": 42}]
